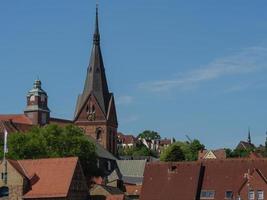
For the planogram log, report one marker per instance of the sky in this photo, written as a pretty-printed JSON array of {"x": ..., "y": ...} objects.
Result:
[{"x": 195, "y": 68}]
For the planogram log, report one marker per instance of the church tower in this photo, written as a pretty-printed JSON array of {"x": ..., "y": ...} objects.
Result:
[
  {"x": 95, "y": 109},
  {"x": 37, "y": 110}
]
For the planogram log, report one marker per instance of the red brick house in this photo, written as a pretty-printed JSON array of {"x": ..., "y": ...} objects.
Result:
[{"x": 207, "y": 179}]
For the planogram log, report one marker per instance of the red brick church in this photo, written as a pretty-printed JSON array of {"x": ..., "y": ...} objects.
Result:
[{"x": 95, "y": 110}]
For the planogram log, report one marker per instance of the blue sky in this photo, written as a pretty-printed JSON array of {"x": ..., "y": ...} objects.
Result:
[{"x": 194, "y": 68}]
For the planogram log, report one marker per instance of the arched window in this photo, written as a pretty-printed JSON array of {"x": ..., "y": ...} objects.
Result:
[{"x": 98, "y": 134}]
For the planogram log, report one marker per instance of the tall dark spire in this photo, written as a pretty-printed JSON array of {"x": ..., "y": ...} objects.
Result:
[
  {"x": 249, "y": 137},
  {"x": 96, "y": 33},
  {"x": 95, "y": 82}
]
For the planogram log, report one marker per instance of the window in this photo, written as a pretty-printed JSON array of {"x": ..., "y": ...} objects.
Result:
[
  {"x": 260, "y": 195},
  {"x": 42, "y": 98},
  {"x": 43, "y": 118},
  {"x": 207, "y": 194},
  {"x": 98, "y": 135},
  {"x": 228, "y": 195},
  {"x": 251, "y": 195}
]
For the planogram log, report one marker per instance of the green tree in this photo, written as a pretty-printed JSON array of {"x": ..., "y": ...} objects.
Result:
[
  {"x": 148, "y": 134},
  {"x": 189, "y": 149},
  {"x": 172, "y": 153},
  {"x": 139, "y": 150},
  {"x": 53, "y": 141}
]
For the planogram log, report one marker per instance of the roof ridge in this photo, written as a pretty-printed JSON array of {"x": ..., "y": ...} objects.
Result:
[{"x": 24, "y": 171}]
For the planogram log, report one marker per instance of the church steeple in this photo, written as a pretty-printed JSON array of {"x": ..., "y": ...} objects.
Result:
[
  {"x": 95, "y": 109},
  {"x": 96, "y": 34},
  {"x": 95, "y": 82},
  {"x": 249, "y": 137}
]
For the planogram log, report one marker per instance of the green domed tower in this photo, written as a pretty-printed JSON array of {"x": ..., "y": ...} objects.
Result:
[{"x": 37, "y": 110}]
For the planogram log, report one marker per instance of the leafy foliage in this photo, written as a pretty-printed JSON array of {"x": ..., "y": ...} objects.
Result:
[
  {"x": 150, "y": 135},
  {"x": 172, "y": 154},
  {"x": 139, "y": 150},
  {"x": 189, "y": 150},
  {"x": 238, "y": 153},
  {"x": 53, "y": 141}
]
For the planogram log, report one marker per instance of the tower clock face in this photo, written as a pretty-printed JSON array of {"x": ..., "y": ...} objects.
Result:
[{"x": 32, "y": 98}]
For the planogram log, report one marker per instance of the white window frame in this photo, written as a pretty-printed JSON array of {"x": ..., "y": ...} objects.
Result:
[
  {"x": 251, "y": 195},
  {"x": 260, "y": 195}
]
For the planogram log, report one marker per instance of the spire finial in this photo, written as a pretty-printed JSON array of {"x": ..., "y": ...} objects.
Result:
[
  {"x": 96, "y": 34},
  {"x": 249, "y": 137}
]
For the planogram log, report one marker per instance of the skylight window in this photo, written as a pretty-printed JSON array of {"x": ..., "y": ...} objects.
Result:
[
  {"x": 207, "y": 194},
  {"x": 228, "y": 195}
]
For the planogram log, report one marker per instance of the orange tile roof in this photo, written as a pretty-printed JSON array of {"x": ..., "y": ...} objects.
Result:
[
  {"x": 55, "y": 176},
  {"x": 18, "y": 118}
]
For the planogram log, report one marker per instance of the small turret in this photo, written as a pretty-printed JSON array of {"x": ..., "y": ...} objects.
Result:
[{"x": 37, "y": 109}]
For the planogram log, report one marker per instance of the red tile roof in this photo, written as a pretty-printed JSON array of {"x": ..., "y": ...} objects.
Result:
[
  {"x": 19, "y": 118},
  {"x": 54, "y": 176},
  {"x": 126, "y": 139},
  {"x": 189, "y": 178},
  {"x": 165, "y": 142},
  {"x": 170, "y": 181}
]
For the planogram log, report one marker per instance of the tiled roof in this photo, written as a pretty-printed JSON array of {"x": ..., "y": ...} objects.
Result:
[
  {"x": 165, "y": 142},
  {"x": 245, "y": 145},
  {"x": 55, "y": 175},
  {"x": 126, "y": 139},
  {"x": 133, "y": 189},
  {"x": 132, "y": 171},
  {"x": 186, "y": 179},
  {"x": 170, "y": 181},
  {"x": 101, "y": 151},
  {"x": 7, "y": 125},
  {"x": 19, "y": 118},
  {"x": 19, "y": 168},
  {"x": 60, "y": 122}
]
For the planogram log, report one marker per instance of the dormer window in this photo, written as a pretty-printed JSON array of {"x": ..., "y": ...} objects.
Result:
[
  {"x": 228, "y": 195},
  {"x": 207, "y": 194}
]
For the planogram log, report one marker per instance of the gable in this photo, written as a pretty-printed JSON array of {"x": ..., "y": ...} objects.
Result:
[
  {"x": 90, "y": 111},
  {"x": 209, "y": 155},
  {"x": 112, "y": 114}
]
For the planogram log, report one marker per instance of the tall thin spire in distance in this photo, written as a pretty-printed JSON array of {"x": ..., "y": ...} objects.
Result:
[
  {"x": 249, "y": 137},
  {"x": 96, "y": 33}
]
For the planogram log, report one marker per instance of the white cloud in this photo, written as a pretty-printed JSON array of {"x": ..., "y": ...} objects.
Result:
[
  {"x": 124, "y": 100},
  {"x": 246, "y": 61}
]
